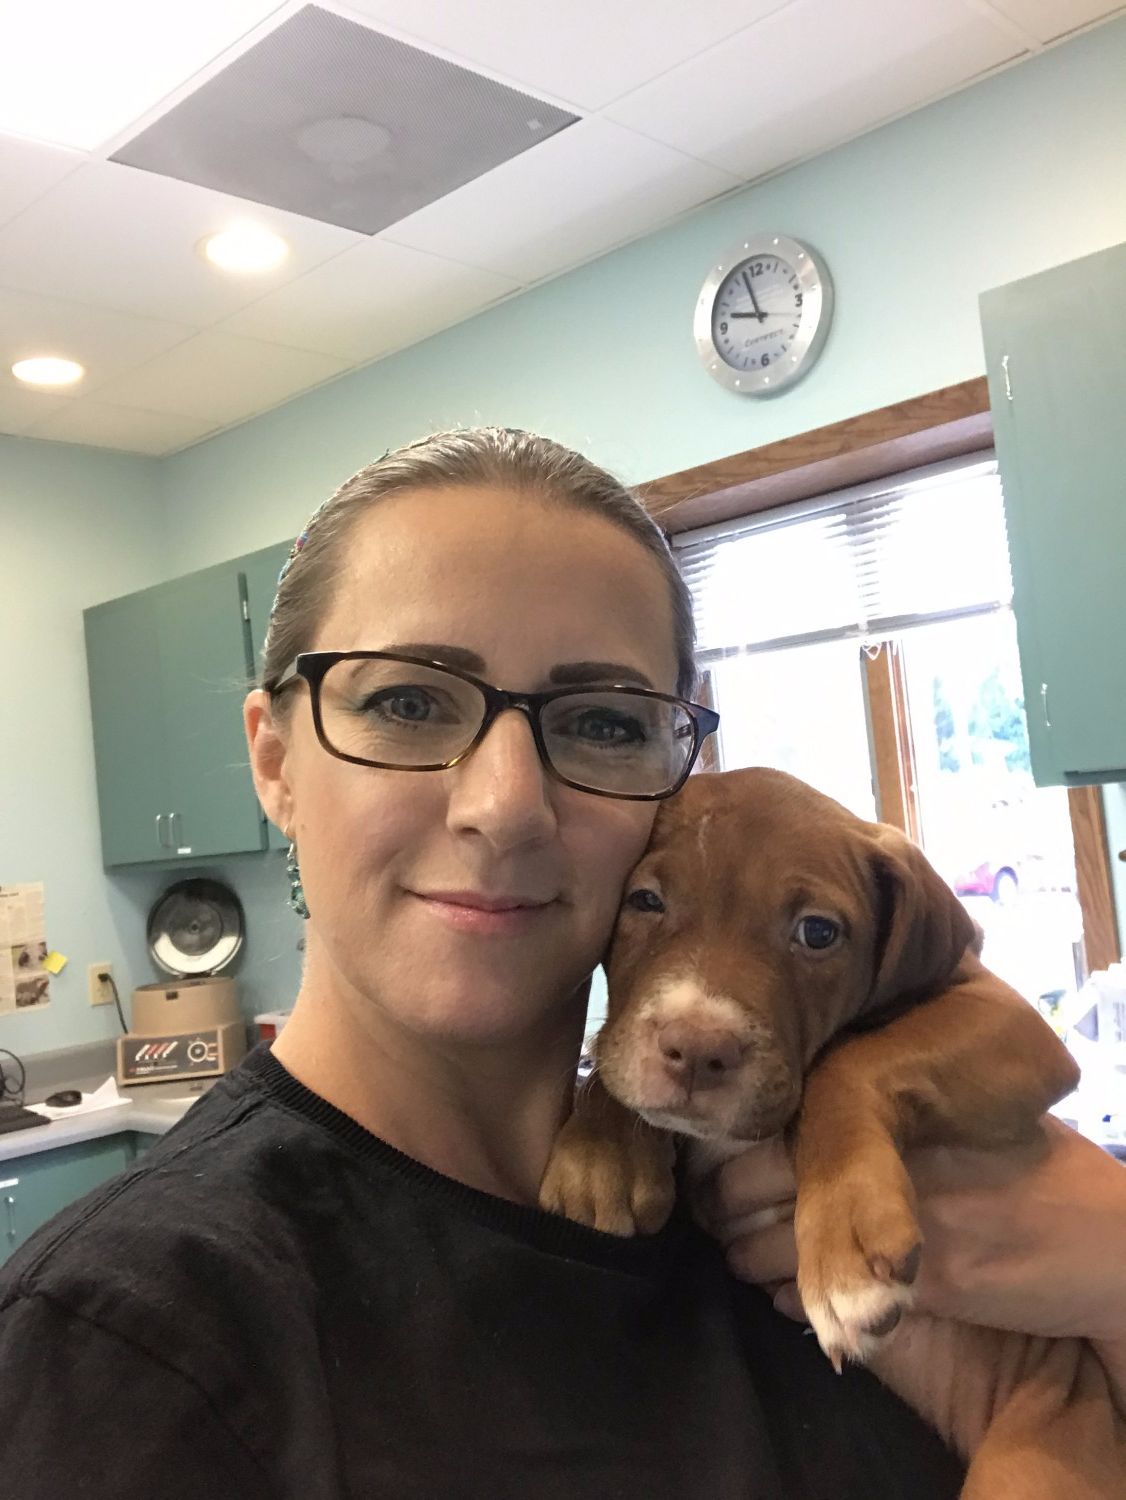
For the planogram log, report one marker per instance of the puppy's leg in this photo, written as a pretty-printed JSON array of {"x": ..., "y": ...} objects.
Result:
[
  {"x": 1033, "y": 1415},
  {"x": 974, "y": 1066},
  {"x": 608, "y": 1168},
  {"x": 855, "y": 1221},
  {"x": 1056, "y": 1434}
]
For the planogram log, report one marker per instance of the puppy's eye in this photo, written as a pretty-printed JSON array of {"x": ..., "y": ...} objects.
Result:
[
  {"x": 817, "y": 933},
  {"x": 644, "y": 900}
]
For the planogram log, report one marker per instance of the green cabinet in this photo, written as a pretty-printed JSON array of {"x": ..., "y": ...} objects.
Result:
[
  {"x": 260, "y": 571},
  {"x": 34, "y": 1188},
  {"x": 126, "y": 703},
  {"x": 1056, "y": 361},
  {"x": 169, "y": 667}
]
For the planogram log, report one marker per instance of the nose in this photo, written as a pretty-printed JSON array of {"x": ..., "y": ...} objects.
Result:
[
  {"x": 699, "y": 1057},
  {"x": 500, "y": 790}
]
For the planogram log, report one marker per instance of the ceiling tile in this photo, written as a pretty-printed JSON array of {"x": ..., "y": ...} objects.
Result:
[
  {"x": 28, "y": 170},
  {"x": 812, "y": 75},
  {"x": 77, "y": 73},
  {"x": 106, "y": 343},
  {"x": 1049, "y": 19},
  {"x": 584, "y": 191},
  {"x": 126, "y": 239},
  {"x": 20, "y": 406},
  {"x": 99, "y": 425},
  {"x": 375, "y": 298},
  {"x": 331, "y": 118},
  {"x": 586, "y": 52},
  {"x": 220, "y": 378}
]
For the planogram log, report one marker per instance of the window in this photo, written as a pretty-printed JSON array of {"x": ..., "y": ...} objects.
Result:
[{"x": 865, "y": 642}]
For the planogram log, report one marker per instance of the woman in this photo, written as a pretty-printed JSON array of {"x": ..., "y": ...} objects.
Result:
[{"x": 331, "y": 1278}]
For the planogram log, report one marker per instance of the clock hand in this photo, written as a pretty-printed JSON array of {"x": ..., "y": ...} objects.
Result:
[
  {"x": 754, "y": 302},
  {"x": 759, "y": 315}
]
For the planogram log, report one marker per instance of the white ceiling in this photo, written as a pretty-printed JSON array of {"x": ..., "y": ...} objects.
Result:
[{"x": 98, "y": 260}]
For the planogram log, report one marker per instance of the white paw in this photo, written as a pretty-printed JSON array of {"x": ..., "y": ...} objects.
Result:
[{"x": 853, "y": 1322}]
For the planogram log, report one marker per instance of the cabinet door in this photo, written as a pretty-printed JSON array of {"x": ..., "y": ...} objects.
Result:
[
  {"x": 1056, "y": 357},
  {"x": 168, "y": 672},
  {"x": 260, "y": 571},
  {"x": 37, "y": 1187},
  {"x": 130, "y": 739},
  {"x": 204, "y": 680}
]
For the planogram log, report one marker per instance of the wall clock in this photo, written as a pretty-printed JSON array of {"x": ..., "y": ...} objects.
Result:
[{"x": 763, "y": 314}]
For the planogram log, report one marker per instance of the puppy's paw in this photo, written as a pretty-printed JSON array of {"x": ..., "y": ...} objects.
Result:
[
  {"x": 859, "y": 1246},
  {"x": 618, "y": 1180}
]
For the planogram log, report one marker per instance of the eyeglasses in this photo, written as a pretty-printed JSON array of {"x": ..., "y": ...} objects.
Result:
[{"x": 404, "y": 713}]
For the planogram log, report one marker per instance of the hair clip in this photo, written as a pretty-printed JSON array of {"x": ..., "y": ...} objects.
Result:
[{"x": 296, "y": 548}]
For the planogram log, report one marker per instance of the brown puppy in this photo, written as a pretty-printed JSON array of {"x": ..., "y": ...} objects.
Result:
[{"x": 779, "y": 965}]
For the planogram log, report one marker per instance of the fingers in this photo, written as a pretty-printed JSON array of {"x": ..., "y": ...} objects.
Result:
[
  {"x": 787, "y": 1301},
  {"x": 747, "y": 1204},
  {"x": 758, "y": 1178},
  {"x": 768, "y": 1255}
]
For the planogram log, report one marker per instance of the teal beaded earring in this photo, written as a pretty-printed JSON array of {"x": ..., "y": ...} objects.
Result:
[{"x": 296, "y": 901}]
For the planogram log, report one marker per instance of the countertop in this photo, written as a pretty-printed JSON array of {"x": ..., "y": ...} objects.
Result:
[{"x": 150, "y": 1114}]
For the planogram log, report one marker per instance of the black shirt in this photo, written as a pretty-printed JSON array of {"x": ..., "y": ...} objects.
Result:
[{"x": 272, "y": 1302}]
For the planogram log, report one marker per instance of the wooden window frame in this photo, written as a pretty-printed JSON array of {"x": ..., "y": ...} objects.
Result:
[
  {"x": 953, "y": 422},
  {"x": 893, "y": 742}
]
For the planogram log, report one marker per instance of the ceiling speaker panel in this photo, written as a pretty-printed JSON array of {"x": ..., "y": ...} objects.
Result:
[{"x": 330, "y": 119}]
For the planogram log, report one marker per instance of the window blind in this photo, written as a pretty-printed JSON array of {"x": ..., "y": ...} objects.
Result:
[{"x": 862, "y": 563}]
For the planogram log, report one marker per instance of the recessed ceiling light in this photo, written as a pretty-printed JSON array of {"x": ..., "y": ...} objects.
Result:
[
  {"x": 245, "y": 248},
  {"x": 47, "y": 370}
]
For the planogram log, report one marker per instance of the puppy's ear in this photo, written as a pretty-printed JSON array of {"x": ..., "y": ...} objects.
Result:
[{"x": 922, "y": 929}]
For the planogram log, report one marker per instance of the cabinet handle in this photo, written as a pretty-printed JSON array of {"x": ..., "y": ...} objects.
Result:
[
  {"x": 160, "y": 831},
  {"x": 1044, "y": 705},
  {"x": 10, "y": 1204},
  {"x": 177, "y": 832},
  {"x": 1005, "y": 373}
]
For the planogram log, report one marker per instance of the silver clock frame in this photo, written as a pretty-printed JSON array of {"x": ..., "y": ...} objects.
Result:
[{"x": 813, "y": 325}]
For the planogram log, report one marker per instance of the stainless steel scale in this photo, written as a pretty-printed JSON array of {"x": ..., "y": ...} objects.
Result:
[{"x": 189, "y": 1029}]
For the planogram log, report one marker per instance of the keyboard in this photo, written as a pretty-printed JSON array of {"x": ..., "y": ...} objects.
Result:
[{"x": 15, "y": 1117}]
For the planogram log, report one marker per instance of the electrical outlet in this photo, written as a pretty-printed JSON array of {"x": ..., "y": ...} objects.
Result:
[{"x": 100, "y": 993}]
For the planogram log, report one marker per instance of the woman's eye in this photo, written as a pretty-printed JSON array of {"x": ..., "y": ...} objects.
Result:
[
  {"x": 405, "y": 704},
  {"x": 817, "y": 933},
  {"x": 604, "y": 728},
  {"x": 644, "y": 900}
]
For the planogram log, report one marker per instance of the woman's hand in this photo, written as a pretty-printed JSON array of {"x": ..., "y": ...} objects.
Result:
[{"x": 1028, "y": 1238}]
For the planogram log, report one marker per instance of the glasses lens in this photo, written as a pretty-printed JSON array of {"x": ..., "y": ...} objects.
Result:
[
  {"x": 396, "y": 714},
  {"x": 618, "y": 742}
]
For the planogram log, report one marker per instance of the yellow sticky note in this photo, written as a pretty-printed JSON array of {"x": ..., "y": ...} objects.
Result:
[{"x": 55, "y": 962}]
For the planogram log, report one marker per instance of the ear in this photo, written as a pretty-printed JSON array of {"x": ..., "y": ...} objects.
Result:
[
  {"x": 267, "y": 746},
  {"x": 922, "y": 929}
]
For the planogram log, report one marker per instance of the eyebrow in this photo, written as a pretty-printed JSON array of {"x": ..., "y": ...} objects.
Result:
[{"x": 565, "y": 674}]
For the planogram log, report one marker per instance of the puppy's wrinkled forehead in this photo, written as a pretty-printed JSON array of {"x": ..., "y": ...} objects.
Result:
[{"x": 723, "y": 828}]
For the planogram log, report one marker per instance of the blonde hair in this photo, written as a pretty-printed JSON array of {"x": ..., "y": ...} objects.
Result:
[{"x": 504, "y": 457}]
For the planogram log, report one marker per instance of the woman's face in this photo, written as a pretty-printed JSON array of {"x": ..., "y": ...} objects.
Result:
[{"x": 529, "y": 590}]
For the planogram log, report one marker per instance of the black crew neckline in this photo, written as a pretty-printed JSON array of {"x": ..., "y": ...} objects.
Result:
[{"x": 640, "y": 1254}]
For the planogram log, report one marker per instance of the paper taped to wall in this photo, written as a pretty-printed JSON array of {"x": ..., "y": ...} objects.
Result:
[{"x": 24, "y": 981}]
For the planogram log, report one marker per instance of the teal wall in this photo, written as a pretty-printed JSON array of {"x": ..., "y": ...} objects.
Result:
[
  {"x": 1018, "y": 173},
  {"x": 76, "y": 526}
]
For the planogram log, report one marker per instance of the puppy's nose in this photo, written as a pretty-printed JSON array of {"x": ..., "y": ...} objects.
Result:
[{"x": 699, "y": 1057}]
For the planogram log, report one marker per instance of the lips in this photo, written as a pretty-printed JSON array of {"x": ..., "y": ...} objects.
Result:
[
  {"x": 479, "y": 902},
  {"x": 494, "y": 915}
]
